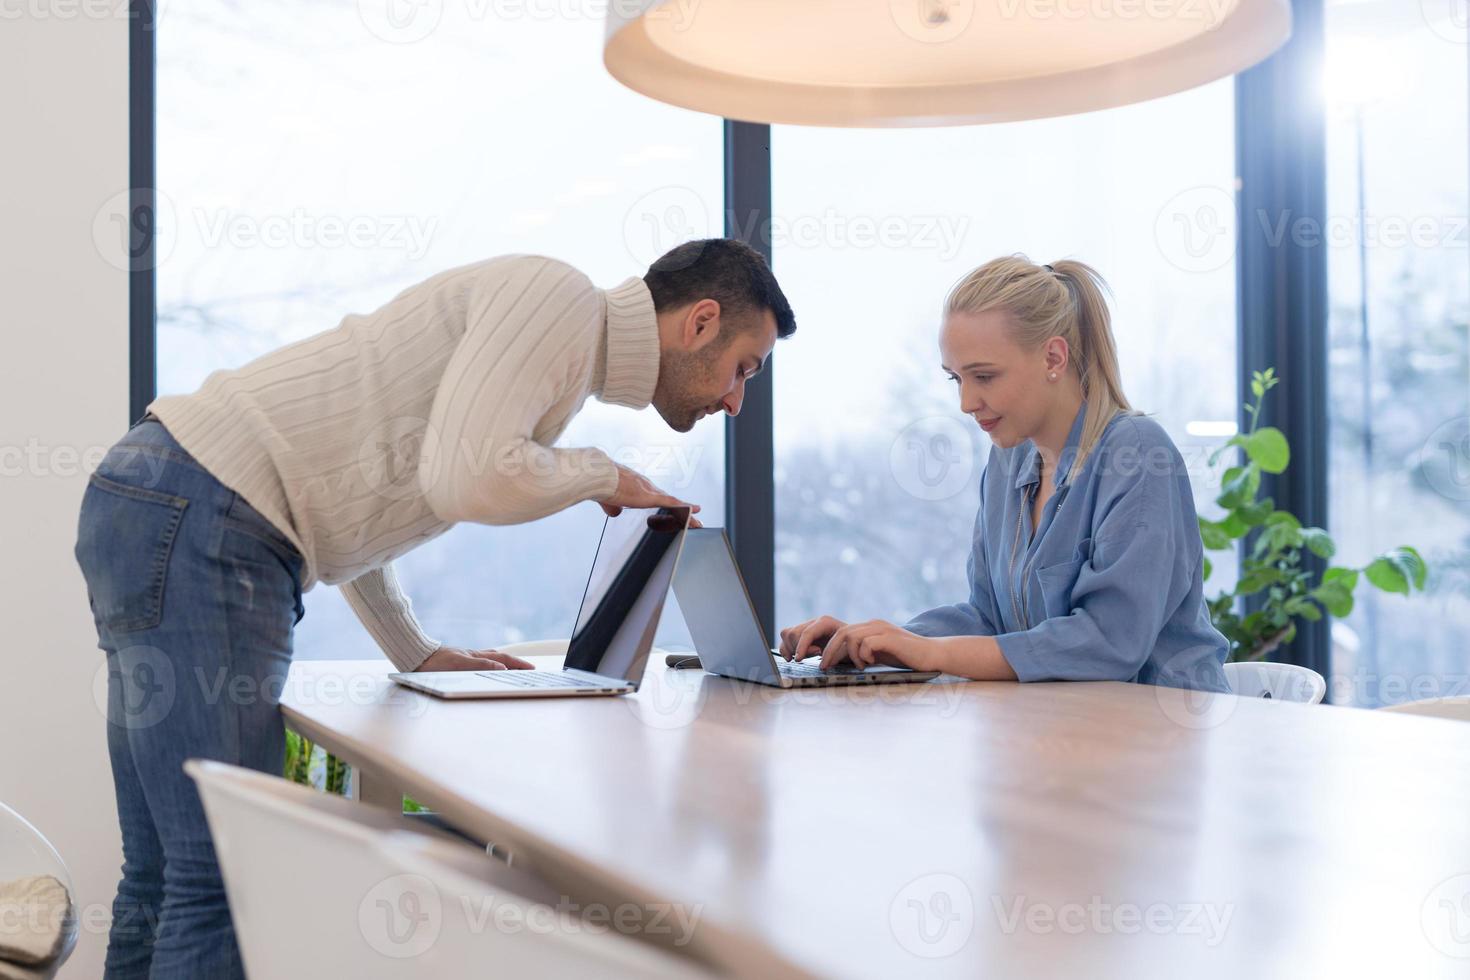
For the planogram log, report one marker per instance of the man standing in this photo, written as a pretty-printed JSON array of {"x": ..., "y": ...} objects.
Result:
[{"x": 324, "y": 461}]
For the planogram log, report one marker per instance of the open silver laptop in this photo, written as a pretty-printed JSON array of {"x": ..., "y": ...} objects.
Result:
[
  {"x": 619, "y": 615},
  {"x": 727, "y": 634}
]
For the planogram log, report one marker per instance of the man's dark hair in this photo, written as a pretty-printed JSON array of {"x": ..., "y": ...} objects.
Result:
[{"x": 725, "y": 270}]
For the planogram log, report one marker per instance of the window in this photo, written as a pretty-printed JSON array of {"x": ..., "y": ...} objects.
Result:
[
  {"x": 313, "y": 161},
  {"x": 877, "y": 470},
  {"x": 1398, "y": 355}
]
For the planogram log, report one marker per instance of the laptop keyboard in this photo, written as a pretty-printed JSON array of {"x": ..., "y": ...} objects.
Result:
[
  {"x": 802, "y": 669},
  {"x": 536, "y": 678}
]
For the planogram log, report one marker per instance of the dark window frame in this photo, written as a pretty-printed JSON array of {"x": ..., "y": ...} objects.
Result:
[
  {"x": 142, "y": 181},
  {"x": 1281, "y": 308}
]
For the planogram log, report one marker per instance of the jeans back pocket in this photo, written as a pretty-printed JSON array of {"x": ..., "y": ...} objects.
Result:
[
  {"x": 241, "y": 517},
  {"x": 124, "y": 539}
]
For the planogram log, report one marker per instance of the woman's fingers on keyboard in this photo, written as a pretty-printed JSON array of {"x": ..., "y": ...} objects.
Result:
[
  {"x": 789, "y": 636},
  {"x": 814, "y": 635}
]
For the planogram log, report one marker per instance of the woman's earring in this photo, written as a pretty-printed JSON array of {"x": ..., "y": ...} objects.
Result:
[{"x": 1052, "y": 376}]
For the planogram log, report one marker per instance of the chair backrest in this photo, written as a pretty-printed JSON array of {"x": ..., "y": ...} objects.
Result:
[
  {"x": 1454, "y": 708},
  {"x": 322, "y": 886},
  {"x": 1282, "y": 682},
  {"x": 26, "y": 853}
]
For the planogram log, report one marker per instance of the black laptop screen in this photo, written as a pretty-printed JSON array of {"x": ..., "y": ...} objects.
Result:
[{"x": 625, "y": 592}]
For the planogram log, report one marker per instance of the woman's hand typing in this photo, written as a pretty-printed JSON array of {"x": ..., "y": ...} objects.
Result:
[
  {"x": 880, "y": 642},
  {"x": 862, "y": 644},
  {"x": 807, "y": 639}
]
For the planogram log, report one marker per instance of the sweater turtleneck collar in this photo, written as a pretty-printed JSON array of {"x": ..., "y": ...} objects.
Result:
[{"x": 626, "y": 369}]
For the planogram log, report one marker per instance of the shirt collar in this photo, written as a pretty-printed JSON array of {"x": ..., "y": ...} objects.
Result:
[
  {"x": 626, "y": 370},
  {"x": 1030, "y": 471}
]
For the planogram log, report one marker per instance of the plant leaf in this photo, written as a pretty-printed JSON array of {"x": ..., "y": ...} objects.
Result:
[
  {"x": 1418, "y": 567},
  {"x": 1336, "y": 596},
  {"x": 1269, "y": 449},
  {"x": 1256, "y": 513},
  {"x": 1319, "y": 541},
  {"x": 1213, "y": 535},
  {"x": 1256, "y": 579},
  {"x": 1283, "y": 518},
  {"x": 1238, "y": 486},
  {"x": 1399, "y": 570},
  {"x": 1281, "y": 533},
  {"x": 1234, "y": 526},
  {"x": 1235, "y": 440},
  {"x": 1387, "y": 576}
]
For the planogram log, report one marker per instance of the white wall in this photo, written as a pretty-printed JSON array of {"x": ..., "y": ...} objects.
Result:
[{"x": 63, "y": 390}]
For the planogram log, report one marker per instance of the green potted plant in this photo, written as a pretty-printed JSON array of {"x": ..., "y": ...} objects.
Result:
[
  {"x": 301, "y": 755},
  {"x": 1272, "y": 565}
]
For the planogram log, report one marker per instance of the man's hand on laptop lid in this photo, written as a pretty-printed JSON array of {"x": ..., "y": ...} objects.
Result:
[
  {"x": 453, "y": 658},
  {"x": 637, "y": 491}
]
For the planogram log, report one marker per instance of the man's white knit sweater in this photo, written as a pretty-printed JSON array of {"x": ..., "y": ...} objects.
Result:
[{"x": 367, "y": 440}]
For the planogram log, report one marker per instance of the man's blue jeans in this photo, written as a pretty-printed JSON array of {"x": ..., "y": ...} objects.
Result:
[{"x": 195, "y": 595}]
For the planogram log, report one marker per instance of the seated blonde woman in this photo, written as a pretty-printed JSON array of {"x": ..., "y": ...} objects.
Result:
[{"x": 1086, "y": 560}]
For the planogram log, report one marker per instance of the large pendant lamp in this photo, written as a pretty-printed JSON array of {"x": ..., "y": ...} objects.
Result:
[{"x": 930, "y": 62}]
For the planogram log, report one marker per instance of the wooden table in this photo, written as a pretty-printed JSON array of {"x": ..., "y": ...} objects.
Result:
[{"x": 956, "y": 829}]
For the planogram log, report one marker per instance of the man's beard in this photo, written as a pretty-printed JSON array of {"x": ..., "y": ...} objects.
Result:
[{"x": 681, "y": 378}]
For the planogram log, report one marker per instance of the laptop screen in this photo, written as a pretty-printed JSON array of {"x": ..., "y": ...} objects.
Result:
[{"x": 631, "y": 575}]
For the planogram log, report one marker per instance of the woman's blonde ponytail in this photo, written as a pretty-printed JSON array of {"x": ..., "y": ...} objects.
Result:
[{"x": 1102, "y": 381}]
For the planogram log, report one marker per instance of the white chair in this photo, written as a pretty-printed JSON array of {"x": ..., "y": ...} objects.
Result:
[
  {"x": 1454, "y": 708},
  {"x": 320, "y": 886},
  {"x": 1281, "y": 682},
  {"x": 25, "y": 853}
]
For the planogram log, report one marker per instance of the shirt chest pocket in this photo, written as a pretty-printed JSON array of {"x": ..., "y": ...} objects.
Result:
[{"x": 1051, "y": 585}]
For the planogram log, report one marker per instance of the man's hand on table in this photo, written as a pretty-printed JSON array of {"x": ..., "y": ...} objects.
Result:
[{"x": 453, "y": 658}]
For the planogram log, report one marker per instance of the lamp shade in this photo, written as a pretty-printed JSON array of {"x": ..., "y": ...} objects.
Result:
[{"x": 929, "y": 62}]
